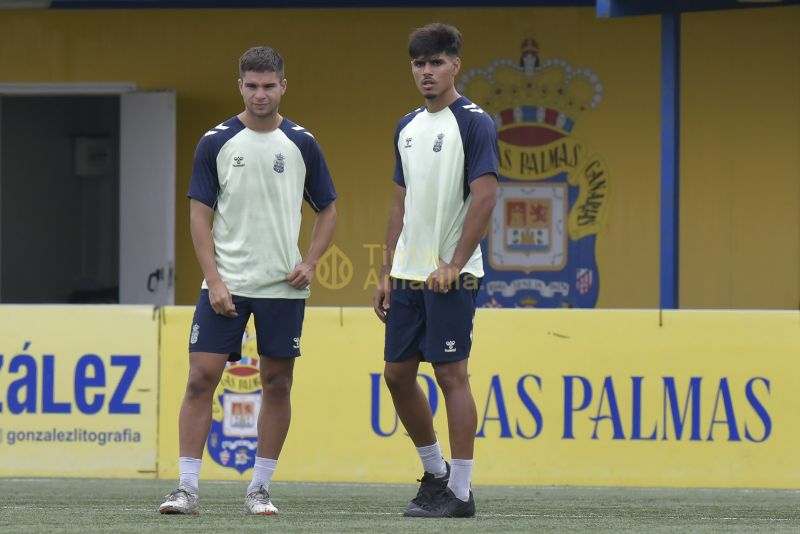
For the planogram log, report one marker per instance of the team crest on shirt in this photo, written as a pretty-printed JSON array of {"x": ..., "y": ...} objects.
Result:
[
  {"x": 233, "y": 438},
  {"x": 437, "y": 145},
  {"x": 279, "y": 164},
  {"x": 553, "y": 188}
]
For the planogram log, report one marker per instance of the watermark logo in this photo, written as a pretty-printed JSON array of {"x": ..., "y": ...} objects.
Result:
[{"x": 334, "y": 270}]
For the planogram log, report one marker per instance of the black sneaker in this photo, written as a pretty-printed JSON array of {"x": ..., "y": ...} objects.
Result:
[
  {"x": 431, "y": 493},
  {"x": 450, "y": 506}
]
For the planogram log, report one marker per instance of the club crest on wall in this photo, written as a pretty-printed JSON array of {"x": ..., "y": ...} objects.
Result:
[{"x": 552, "y": 194}]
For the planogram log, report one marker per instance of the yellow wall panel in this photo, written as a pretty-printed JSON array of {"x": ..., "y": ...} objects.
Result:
[
  {"x": 349, "y": 82},
  {"x": 740, "y": 168}
]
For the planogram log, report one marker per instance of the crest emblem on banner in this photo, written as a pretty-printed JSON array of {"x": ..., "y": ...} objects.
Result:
[
  {"x": 233, "y": 438},
  {"x": 553, "y": 190}
]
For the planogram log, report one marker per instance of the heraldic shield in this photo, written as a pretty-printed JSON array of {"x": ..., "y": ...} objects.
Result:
[
  {"x": 233, "y": 438},
  {"x": 552, "y": 192}
]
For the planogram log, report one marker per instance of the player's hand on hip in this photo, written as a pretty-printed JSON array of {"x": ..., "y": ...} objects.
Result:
[
  {"x": 382, "y": 298},
  {"x": 442, "y": 279},
  {"x": 301, "y": 276},
  {"x": 221, "y": 300}
]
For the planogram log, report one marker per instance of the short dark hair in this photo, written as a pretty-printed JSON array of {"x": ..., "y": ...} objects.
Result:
[
  {"x": 435, "y": 38},
  {"x": 261, "y": 59}
]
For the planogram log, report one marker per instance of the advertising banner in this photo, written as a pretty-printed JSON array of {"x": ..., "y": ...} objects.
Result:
[
  {"x": 575, "y": 397},
  {"x": 78, "y": 391}
]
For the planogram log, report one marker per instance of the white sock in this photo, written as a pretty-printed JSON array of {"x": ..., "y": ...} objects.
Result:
[
  {"x": 460, "y": 478},
  {"x": 189, "y": 469},
  {"x": 432, "y": 461},
  {"x": 262, "y": 473}
]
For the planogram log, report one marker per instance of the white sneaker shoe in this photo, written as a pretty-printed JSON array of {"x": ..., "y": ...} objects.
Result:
[
  {"x": 258, "y": 503},
  {"x": 180, "y": 501}
]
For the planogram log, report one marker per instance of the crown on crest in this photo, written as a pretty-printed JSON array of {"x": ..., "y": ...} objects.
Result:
[{"x": 531, "y": 90}]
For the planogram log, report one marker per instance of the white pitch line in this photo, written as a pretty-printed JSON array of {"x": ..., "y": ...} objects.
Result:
[
  {"x": 745, "y": 518},
  {"x": 506, "y": 487},
  {"x": 480, "y": 515}
]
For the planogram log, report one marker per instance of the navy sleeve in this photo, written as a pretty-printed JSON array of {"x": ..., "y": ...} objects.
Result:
[
  {"x": 480, "y": 148},
  {"x": 398, "y": 176},
  {"x": 204, "y": 184},
  {"x": 318, "y": 190}
]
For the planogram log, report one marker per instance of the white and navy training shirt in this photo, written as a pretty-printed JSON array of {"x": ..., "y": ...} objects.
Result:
[
  {"x": 437, "y": 156},
  {"x": 256, "y": 183}
]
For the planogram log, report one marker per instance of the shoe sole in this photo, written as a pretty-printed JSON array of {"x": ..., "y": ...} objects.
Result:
[
  {"x": 421, "y": 512},
  {"x": 175, "y": 511},
  {"x": 416, "y": 512}
]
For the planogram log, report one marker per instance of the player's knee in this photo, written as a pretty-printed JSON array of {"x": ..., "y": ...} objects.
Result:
[
  {"x": 278, "y": 386},
  {"x": 397, "y": 379},
  {"x": 449, "y": 380},
  {"x": 200, "y": 385}
]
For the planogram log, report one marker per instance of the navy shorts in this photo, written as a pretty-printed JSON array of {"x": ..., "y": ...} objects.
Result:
[
  {"x": 278, "y": 322},
  {"x": 436, "y": 326}
]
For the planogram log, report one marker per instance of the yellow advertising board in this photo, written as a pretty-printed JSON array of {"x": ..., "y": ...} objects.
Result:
[
  {"x": 575, "y": 397},
  {"x": 78, "y": 392}
]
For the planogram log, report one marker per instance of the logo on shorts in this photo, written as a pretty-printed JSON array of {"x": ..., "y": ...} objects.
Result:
[
  {"x": 279, "y": 164},
  {"x": 296, "y": 341},
  {"x": 408, "y": 142},
  {"x": 195, "y": 334},
  {"x": 451, "y": 345},
  {"x": 238, "y": 161},
  {"x": 437, "y": 145}
]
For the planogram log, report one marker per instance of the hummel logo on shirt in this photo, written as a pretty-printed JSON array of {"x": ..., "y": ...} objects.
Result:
[
  {"x": 408, "y": 142},
  {"x": 238, "y": 161},
  {"x": 473, "y": 108},
  {"x": 296, "y": 341},
  {"x": 451, "y": 345}
]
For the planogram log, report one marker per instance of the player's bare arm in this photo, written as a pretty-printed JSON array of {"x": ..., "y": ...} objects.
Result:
[
  {"x": 321, "y": 237},
  {"x": 483, "y": 190},
  {"x": 383, "y": 293},
  {"x": 201, "y": 218}
]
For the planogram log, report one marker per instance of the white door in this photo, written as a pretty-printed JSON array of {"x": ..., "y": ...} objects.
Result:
[{"x": 147, "y": 198}]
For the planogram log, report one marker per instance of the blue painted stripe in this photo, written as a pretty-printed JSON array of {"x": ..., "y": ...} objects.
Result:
[
  {"x": 670, "y": 159},
  {"x": 632, "y": 8}
]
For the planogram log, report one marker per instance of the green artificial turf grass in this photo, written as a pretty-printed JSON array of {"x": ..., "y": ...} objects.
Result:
[{"x": 130, "y": 506}]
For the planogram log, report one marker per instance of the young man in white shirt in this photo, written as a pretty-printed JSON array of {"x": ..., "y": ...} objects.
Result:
[
  {"x": 446, "y": 180},
  {"x": 251, "y": 174}
]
